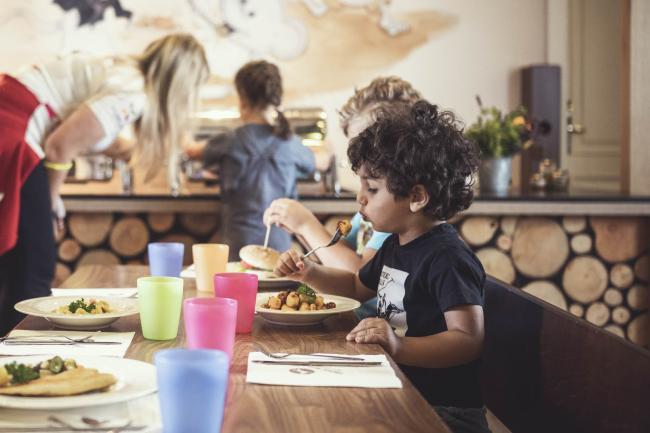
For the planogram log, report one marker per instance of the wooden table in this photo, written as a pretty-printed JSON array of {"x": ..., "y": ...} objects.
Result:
[{"x": 263, "y": 408}]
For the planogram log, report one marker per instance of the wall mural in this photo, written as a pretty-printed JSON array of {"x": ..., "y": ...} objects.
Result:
[{"x": 302, "y": 36}]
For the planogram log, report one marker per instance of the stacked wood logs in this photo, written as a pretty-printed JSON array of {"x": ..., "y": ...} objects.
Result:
[
  {"x": 115, "y": 238},
  {"x": 109, "y": 239},
  {"x": 596, "y": 268}
]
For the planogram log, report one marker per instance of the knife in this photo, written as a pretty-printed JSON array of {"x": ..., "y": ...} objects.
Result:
[
  {"x": 53, "y": 342},
  {"x": 320, "y": 363},
  {"x": 50, "y": 428}
]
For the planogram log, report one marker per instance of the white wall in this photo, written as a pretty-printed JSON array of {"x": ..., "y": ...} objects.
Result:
[
  {"x": 481, "y": 54},
  {"x": 477, "y": 48}
]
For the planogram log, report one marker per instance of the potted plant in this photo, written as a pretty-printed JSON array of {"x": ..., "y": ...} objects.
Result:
[{"x": 498, "y": 137}]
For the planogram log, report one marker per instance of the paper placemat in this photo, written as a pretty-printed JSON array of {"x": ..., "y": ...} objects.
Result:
[
  {"x": 70, "y": 351},
  {"x": 382, "y": 376},
  {"x": 141, "y": 411},
  {"x": 121, "y": 292}
]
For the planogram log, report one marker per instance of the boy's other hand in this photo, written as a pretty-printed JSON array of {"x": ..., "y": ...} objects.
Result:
[
  {"x": 291, "y": 265},
  {"x": 377, "y": 331}
]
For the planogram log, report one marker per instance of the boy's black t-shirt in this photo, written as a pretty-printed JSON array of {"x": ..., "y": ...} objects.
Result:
[{"x": 416, "y": 283}]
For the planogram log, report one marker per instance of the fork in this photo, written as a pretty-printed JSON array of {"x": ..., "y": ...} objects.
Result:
[
  {"x": 94, "y": 425},
  {"x": 318, "y": 355},
  {"x": 335, "y": 238},
  {"x": 34, "y": 340}
]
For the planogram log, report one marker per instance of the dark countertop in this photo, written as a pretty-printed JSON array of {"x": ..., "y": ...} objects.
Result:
[
  {"x": 563, "y": 196},
  {"x": 198, "y": 197}
]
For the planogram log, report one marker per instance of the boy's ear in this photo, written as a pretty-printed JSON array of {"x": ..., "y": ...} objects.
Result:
[{"x": 419, "y": 198}]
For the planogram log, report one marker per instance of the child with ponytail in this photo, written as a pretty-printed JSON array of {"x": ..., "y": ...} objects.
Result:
[{"x": 258, "y": 162}]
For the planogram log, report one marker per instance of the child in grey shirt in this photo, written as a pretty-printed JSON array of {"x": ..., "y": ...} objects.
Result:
[{"x": 258, "y": 162}]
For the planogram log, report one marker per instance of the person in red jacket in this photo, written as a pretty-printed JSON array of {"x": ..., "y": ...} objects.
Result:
[{"x": 53, "y": 112}]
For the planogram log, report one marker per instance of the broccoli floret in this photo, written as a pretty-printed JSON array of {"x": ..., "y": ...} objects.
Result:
[
  {"x": 21, "y": 373},
  {"x": 80, "y": 303},
  {"x": 304, "y": 289}
]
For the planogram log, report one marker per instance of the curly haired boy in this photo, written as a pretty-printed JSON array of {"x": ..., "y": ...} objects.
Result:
[{"x": 416, "y": 169}]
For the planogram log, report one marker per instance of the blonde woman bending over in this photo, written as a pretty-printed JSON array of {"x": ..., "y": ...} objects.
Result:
[{"x": 51, "y": 113}]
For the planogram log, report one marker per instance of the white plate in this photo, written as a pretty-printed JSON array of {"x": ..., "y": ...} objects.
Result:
[
  {"x": 303, "y": 318},
  {"x": 134, "y": 379},
  {"x": 266, "y": 279},
  {"x": 45, "y": 307}
]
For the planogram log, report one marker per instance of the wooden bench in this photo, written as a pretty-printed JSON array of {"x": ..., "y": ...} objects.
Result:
[{"x": 545, "y": 370}]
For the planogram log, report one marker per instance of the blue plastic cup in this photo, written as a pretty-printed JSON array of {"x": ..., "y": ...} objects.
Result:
[
  {"x": 165, "y": 259},
  {"x": 192, "y": 388}
]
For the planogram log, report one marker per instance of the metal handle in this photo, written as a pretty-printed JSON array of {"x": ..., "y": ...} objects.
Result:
[
  {"x": 572, "y": 128},
  {"x": 312, "y": 251}
]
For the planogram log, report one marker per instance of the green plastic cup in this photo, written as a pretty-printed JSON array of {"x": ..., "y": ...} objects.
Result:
[{"x": 160, "y": 300}]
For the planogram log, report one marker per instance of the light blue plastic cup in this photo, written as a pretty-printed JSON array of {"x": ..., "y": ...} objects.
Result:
[
  {"x": 165, "y": 259},
  {"x": 192, "y": 388}
]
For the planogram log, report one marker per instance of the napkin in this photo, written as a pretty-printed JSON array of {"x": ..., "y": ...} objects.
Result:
[
  {"x": 381, "y": 376},
  {"x": 141, "y": 411},
  {"x": 126, "y": 292},
  {"x": 70, "y": 351}
]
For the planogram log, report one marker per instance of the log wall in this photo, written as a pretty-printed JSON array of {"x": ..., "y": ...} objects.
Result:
[{"x": 597, "y": 268}]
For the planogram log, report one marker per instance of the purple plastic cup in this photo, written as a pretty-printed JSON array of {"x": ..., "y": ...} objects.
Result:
[
  {"x": 165, "y": 259},
  {"x": 210, "y": 323},
  {"x": 243, "y": 288}
]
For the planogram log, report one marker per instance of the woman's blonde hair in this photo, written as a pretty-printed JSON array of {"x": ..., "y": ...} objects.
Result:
[
  {"x": 370, "y": 100},
  {"x": 173, "y": 67}
]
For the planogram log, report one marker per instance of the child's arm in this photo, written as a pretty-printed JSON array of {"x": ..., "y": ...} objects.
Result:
[
  {"x": 460, "y": 344},
  {"x": 329, "y": 280}
]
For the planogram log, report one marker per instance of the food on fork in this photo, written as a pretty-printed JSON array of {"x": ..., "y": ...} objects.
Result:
[
  {"x": 304, "y": 298},
  {"x": 81, "y": 307},
  {"x": 52, "y": 377},
  {"x": 258, "y": 257},
  {"x": 344, "y": 227}
]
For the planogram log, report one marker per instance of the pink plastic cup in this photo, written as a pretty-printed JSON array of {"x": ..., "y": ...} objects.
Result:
[
  {"x": 243, "y": 288},
  {"x": 210, "y": 323}
]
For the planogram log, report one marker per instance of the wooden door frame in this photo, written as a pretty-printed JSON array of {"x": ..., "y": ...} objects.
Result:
[{"x": 638, "y": 105}]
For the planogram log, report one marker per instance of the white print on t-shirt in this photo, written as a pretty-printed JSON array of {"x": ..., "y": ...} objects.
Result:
[{"x": 390, "y": 298}]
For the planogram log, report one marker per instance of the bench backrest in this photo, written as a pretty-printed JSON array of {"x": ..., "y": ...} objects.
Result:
[{"x": 545, "y": 370}]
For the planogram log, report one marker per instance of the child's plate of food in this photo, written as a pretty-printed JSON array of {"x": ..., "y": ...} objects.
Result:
[
  {"x": 255, "y": 259},
  {"x": 52, "y": 382},
  {"x": 301, "y": 306},
  {"x": 79, "y": 313}
]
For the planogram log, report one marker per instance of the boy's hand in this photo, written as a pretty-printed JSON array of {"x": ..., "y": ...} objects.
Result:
[
  {"x": 292, "y": 266},
  {"x": 378, "y": 331}
]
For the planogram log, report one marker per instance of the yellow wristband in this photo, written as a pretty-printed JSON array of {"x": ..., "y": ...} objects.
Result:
[{"x": 58, "y": 166}]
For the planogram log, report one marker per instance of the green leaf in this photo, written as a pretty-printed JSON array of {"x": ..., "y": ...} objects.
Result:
[
  {"x": 498, "y": 134},
  {"x": 21, "y": 373}
]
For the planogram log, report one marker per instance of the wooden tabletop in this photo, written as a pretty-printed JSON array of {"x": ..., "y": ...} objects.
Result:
[{"x": 264, "y": 408}]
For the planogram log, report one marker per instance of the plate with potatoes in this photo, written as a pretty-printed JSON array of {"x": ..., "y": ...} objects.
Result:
[{"x": 301, "y": 306}]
